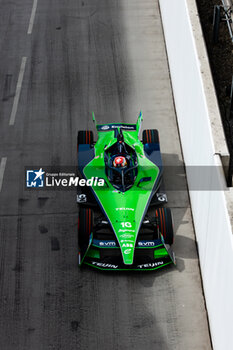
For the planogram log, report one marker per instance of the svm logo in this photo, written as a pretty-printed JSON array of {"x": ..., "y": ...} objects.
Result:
[{"x": 35, "y": 178}]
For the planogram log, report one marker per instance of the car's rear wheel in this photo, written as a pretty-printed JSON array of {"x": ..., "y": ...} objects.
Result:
[
  {"x": 85, "y": 137},
  {"x": 165, "y": 221},
  {"x": 150, "y": 136},
  {"x": 85, "y": 224}
]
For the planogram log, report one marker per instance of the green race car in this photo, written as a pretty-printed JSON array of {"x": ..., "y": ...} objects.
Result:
[{"x": 122, "y": 224}]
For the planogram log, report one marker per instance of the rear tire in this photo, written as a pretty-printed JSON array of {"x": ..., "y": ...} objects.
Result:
[
  {"x": 85, "y": 224},
  {"x": 164, "y": 216},
  {"x": 150, "y": 136},
  {"x": 85, "y": 137}
]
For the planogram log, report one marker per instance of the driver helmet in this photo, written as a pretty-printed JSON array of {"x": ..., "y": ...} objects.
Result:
[{"x": 119, "y": 162}]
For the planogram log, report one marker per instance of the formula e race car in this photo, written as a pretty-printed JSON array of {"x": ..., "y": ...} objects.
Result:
[{"x": 122, "y": 224}]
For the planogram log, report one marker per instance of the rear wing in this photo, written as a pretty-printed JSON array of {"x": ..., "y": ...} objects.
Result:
[{"x": 102, "y": 127}]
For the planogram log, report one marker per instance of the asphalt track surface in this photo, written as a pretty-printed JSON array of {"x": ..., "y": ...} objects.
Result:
[{"x": 59, "y": 60}]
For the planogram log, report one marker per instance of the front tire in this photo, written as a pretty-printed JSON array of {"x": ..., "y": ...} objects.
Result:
[
  {"x": 165, "y": 222},
  {"x": 85, "y": 225}
]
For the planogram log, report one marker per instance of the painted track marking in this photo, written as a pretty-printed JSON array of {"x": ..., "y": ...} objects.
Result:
[
  {"x": 18, "y": 91},
  {"x": 2, "y": 170},
  {"x": 32, "y": 18}
]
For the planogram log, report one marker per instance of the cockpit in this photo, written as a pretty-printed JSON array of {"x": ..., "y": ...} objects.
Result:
[{"x": 121, "y": 164}]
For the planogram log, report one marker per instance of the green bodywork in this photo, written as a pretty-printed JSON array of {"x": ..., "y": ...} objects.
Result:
[
  {"x": 160, "y": 252},
  {"x": 124, "y": 210}
]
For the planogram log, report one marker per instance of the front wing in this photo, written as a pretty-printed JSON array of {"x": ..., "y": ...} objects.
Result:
[{"x": 148, "y": 255}]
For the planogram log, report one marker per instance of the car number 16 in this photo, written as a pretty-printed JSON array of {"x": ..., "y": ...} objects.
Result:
[{"x": 126, "y": 224}]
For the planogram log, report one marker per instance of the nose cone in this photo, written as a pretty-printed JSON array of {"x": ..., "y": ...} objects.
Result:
[
  {"x": 126, "y": 232},
  {"x": 127, "y": 250}
]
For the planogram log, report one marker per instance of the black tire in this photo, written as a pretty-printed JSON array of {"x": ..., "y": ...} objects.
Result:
[
  {"x": 85, "y": 137},
  {"x": 85, "y": 224},
  {"x": 150, "y": 136},
  {"x": 164, "y": 216}
]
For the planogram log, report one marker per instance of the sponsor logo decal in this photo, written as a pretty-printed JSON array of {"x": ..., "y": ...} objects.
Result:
[
  {"x": 124, "y": 245},
  {"x": 81, "y": 198},
  {"x": 104, "y": 265},
  {"x": 146, "y": 244},
  {"x": 128, "y": 127},
  {"x": 127, "y": 251},
  {"x": 126, "y": 231},
  {"x": 126, "y": 235},
  {"x": 150, "y": 265},
  {"x": 113, "y": 126},
  {"x": 161, "y": 197},
  {"x": 125, "y": 209},
  {"x": 107, "y": 244}
]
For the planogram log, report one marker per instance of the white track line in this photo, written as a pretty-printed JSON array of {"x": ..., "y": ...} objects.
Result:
[
  {"x": 18, "y": 91},
  {"x": 32, "y": 18},
  {"x": 2, "y": 170}
]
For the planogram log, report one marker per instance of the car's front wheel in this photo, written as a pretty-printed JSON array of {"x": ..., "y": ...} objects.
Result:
[
  {"x": 165, "y": 222},
  {"x": 85, "y": 224}
]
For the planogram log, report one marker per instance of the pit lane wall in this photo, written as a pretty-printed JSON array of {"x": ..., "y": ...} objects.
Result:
[{"x": 203, "y": 144}]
